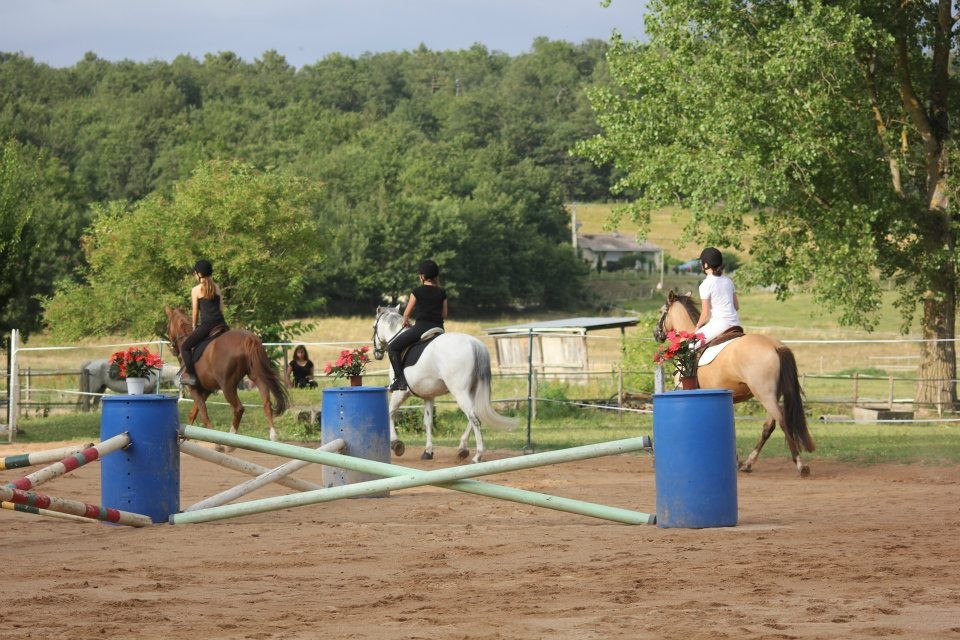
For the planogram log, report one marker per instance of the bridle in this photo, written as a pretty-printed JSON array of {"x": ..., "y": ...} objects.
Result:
[
  {"x": 378, "y": 351},
  {"x": 660, "y": 333}
]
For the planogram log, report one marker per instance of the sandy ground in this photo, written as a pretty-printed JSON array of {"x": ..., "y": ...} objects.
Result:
[{"x": 852, "y": 552}]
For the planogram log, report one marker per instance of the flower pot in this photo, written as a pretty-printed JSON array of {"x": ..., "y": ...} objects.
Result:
[
  {"x": 135, "y": 386},
  {"x": 689, "y": 382},
  {"x": 356, "y": 381}
]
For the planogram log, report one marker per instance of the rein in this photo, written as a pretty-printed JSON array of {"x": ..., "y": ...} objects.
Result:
[{"x": 378, "y": 351}]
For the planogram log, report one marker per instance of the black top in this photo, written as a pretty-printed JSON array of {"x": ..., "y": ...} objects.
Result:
[
  {"x": 429, "y": 303},
  {"x": 210, "y": 313},
  {"x": 301, "y": 373}
]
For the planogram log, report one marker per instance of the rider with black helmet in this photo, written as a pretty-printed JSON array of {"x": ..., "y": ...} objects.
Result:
[
  {"x": 718, "y": 297},
  {"x": 207, "y": 303},
  {"x": 430, "y": 302}
]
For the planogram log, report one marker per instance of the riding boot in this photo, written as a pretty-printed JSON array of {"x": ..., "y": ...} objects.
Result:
[{"x": 399, "y": 383}]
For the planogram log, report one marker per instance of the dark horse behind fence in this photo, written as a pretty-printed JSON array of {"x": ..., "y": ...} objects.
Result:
[
  {"x": 223, "y": 364},
  {"x": 754, "y": 365}
]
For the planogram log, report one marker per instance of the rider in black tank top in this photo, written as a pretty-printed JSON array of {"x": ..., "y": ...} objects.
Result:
[
  {"x": 207, "y": 316},
  {"x": 430, "y": 302}
]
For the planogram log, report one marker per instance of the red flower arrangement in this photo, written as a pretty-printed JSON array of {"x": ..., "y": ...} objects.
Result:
[
  {"x": 681, "y": 349},
  {"x": 135, "y": 362},
  {"x": 350, "y": 363}
]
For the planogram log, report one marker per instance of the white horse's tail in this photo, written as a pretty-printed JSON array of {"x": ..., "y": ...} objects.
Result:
[{"x": 481, "y": 390}]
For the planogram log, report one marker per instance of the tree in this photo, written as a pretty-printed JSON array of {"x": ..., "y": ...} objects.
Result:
[
  {"x": 258, "y": 229},
  {"x": 825, "y": 124},
  {"x": 35, "y": 235}
]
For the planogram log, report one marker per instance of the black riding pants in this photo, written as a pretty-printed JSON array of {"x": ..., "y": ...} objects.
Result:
[
  {"x": 406, "y": 338},
  {"x": 196, "y": 337}
]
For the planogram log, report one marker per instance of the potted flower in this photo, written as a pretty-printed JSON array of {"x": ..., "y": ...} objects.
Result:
[
  {"x": 135, "y": 366},
  {"x": 680, "y": 348},
  {"x": 350, "y": 364}
]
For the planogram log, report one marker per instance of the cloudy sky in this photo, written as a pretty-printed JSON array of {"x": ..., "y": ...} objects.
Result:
[{"x": 60, "y": 32}]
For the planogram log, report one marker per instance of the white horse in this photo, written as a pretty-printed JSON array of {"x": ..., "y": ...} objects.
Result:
[
  {"x": 454, "y": 363},
  {"x": 95, "y": 380}
]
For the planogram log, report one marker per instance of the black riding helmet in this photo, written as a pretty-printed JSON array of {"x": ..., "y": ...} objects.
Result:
[
  {"x": 428, "y": 269},
  {"x": 711, "y": 257},
  {"x": 204, "y": 268}
]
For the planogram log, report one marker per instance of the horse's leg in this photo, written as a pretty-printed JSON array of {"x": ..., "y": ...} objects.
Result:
[
  {"x": 396, "y": 444},
  {"x": 768, "y": 426},
  {"x": 473, "y": 424},
  {"x": 802, "y": 469},
  {"x": 230, "y": 395},
  {"x": 200, "y": 406},
  {"x": 428, "y": 427}
]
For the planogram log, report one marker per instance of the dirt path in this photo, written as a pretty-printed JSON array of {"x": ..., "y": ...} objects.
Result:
[{"x": 853, "y": 552}]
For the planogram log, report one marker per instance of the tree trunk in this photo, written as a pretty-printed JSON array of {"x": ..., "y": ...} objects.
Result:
[{"x": 936, "y": 387}]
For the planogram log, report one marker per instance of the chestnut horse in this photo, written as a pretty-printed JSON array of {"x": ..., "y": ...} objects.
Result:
[
  {"x": 223, "y": 364},
  {"x": 754, "y": 365}
]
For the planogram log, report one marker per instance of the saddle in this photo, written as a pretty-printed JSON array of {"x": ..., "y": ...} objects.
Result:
[
  {"x": 410, "y": 355},
  {"x": 730, "y": 334},
  {"x": 216, "y": 332}
]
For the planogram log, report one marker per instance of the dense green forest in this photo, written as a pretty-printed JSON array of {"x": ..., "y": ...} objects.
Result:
[{"x": 460, "y": 155}]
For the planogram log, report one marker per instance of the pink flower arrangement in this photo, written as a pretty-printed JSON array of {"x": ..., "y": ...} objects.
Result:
[
  {"x": 350, "y": 363},
  {"x": 135, "y": 362},
  {"x": 681, "y": 349}
]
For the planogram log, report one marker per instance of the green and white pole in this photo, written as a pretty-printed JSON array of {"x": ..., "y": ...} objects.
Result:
[{"x": 399, "y": 477}]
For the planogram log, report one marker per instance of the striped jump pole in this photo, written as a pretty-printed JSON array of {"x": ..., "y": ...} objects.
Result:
[
  {"x": 264, "y": 479},
  {"x": 73, "y": 507},
  {"x": 243, "y": 466},
  {"x": 75, "y": 461},
  {"x": 19, "y": 460},
  {"x": 22, "y": 508},
  {"x": 399, "y": 477}
]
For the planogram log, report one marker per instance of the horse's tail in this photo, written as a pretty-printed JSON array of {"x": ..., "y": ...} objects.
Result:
[
  {"x": 263, "y": 373},
  {"x": 481, "y": 390},
  {"x": 788, "y": 386}
]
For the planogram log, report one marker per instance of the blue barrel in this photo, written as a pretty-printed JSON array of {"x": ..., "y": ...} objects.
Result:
[
  {"x": 695, "y": 458},
  {"x": 145, "y": 477},
  {"x": 360, "y": 416}
]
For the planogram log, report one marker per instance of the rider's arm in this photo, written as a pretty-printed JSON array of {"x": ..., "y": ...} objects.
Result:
[
  {"x": 736, "y": 303},
  {"x": 195, "y": 301},
  {"x": 411, "y": 303},
  {"x": 444, "y": 312},
  {"x": 704, "y": 313}
]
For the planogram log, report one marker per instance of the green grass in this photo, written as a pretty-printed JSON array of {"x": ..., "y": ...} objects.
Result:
[{"x": 564, "y": 426}]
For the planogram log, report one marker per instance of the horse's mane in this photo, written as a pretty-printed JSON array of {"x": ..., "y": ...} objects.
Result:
[
  {"x": 692, "y": 309},
  {"x": 179, "y": 321}
]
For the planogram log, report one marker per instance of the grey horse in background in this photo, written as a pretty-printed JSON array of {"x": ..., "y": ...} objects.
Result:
[{"x": 95, "y": 379}]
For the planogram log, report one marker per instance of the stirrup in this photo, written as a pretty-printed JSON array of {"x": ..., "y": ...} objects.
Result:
[
  {"x": 187, "y": 379},
  {"x": 399, "y": 384}
]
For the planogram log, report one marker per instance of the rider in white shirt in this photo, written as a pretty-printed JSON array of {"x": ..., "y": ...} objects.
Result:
[{"x": 718, "y": 297}]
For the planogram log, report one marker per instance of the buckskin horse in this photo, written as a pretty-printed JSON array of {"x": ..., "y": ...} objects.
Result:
[
  {"x": 454, "y": 363},
  {"x": 222, "y": 365},
  {"x": 753, "y": 365}
]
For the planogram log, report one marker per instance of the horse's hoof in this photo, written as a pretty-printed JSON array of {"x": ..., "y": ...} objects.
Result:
[
  {"x": 426, "y": 455},
  {"x": 273, "y": 436},
  {"x": 462, "y": 454},
  {"x": 398, "y": 447},
  {"x": 220, "y": 448},
  {"x": 805, "y": 471},
  {"x": 744, "y": 469}
]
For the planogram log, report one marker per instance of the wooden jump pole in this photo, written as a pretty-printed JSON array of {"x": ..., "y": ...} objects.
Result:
[
  {"x": 70, "y": 463},
  {"x": 40, "y": 457},
  {"x": 243, "y": 466},
  {"x": 399, "y": 477},
  {"x": 73, "y": 507},
  {"x": 264, "y": 479}
]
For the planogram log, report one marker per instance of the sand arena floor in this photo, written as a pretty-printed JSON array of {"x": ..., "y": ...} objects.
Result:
[{"x": 852, "y": 552}]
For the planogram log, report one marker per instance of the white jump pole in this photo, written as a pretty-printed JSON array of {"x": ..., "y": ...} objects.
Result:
[
  {"x": 243, "y": 466},
  {"x": 404, "y": 477},
  {"x": 264, "y": 479}
]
